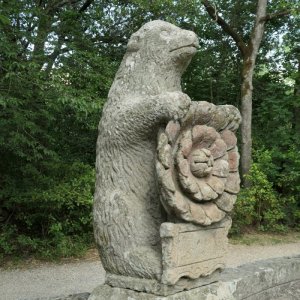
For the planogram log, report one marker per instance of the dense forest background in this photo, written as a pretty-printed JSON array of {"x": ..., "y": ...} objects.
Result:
[{"x": 57, "y": 62}]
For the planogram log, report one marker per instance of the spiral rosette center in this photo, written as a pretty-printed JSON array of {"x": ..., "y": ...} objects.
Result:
[{"x": 201, "y": 162}]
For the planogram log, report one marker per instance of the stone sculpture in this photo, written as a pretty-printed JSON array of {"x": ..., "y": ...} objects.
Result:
[
  {"x": 167, "y": 169},
  {"x": 197, "y": 166}
]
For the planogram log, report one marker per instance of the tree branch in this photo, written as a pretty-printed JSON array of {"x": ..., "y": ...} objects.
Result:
[
  {"x": 279, "y": 14},
  {"x": 212, "y": 11},
  {"x": 54, "y": 5},
  {"x": 85, "y": 5},
  {"x": 258, "y": 28}
]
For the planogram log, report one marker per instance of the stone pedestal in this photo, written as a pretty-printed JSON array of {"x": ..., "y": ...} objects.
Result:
[
  {"x": 190, "y": 254},
  {"x": 192, "y": 251},
  {"x": 108, "y": 293},
  {"x": 153, "y": 287},
  {"x": 273, "y": 279}
]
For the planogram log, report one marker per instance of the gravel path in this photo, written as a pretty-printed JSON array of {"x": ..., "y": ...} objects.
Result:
[
  {"x": 242, "y": 254},
  {"x": 61, "y": 280}
]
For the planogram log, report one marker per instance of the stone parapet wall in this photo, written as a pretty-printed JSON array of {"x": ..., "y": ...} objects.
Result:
[{"x": 272, "y": 279}]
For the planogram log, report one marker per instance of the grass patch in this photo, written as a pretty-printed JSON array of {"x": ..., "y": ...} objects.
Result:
[
  {"x": 264, "y": 239},
  {"x": 68, "y": 249},
  {"x": 13, "y": 262}
]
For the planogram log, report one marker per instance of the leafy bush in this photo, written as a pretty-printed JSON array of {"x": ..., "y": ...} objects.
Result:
[
  {"x": 53, "y": 221},
  {"x": 277, "y": 139},
  {"x": 259, "y": 205},
  {"x": 288, "y": 183},
  {"x": 262, "y": 206}
]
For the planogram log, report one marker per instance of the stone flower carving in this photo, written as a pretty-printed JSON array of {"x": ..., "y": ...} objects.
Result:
[{"x": 197, "y": 164}]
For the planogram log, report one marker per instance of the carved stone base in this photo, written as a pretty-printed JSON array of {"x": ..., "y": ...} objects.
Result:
[
  {"x": 106, "y": 292},
  {"x": 192, "y": 251},
  {"x": 190, "y": 256},
  {"x": 276, "y": 279},
  {"x": 155, "y": 287}
]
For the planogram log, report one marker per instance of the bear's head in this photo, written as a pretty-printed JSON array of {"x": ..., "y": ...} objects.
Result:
[
  {"x": 157, "y": 55},
  {"x": 164, "y": 43}
]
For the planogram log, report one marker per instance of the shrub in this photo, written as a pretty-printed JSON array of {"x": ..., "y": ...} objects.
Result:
[
  {"x": 51, "y": 222},
  {"x": 258, "y": 206}
]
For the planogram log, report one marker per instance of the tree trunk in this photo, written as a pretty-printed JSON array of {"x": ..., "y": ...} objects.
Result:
[
  {"x": 249, "y": 53},
  {"x": 246, "y": 112},
  {"x": 297, "y": 95},
  {"x": 249, "y": 61}
]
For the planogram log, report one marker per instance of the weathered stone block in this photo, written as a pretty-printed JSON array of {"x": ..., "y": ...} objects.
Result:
[
  {"x": 153, "y": 287},
  {"x": 192, "y": 251}
]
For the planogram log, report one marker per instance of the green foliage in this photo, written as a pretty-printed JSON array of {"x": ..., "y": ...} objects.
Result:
[
  {"x": 289, "y": 184},
  {"x": 263, "y": 206},
  {"x": 277, "y": 140},
  {"x": 57, "y": 62},
  {"x": 52, "y": 218},
  {"x": 259, "y": 205},
  {"x": 50, "y": 103}
]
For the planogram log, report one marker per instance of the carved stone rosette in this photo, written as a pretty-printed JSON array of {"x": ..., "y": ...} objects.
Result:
[
  {"x": 197, "y": 169},
  {"x": 197, "y": 164}
]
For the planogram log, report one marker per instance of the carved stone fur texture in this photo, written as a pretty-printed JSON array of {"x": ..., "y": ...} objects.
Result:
[{"x": 145, "y": 95}]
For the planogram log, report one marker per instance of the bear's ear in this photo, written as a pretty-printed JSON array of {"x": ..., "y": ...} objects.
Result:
[{"x": 134, "y": 43}]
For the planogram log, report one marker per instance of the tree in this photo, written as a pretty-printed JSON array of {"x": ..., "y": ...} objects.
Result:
[
  {"x": 249, "y": 51},
  {"x": 57, "y": 63},
  {"x": 50, "y": 101}
]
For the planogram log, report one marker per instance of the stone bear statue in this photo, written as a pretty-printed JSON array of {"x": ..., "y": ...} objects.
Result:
[{"x": 145, "y": 95}]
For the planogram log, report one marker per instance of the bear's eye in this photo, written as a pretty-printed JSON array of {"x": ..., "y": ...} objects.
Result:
[
  {"x": 136, "y": 38},
  {"x": 165, "y": 35}
]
